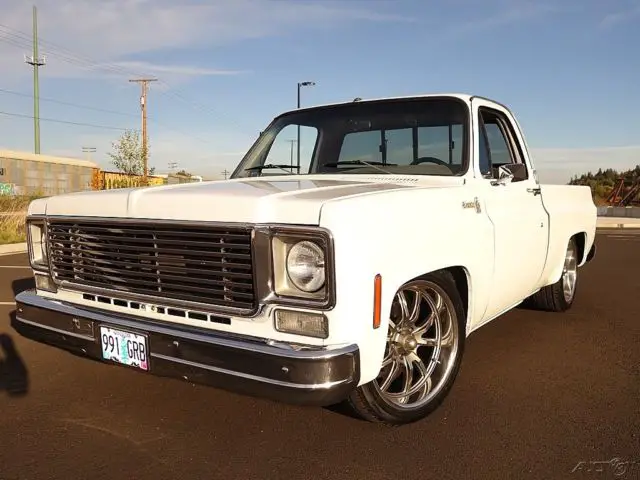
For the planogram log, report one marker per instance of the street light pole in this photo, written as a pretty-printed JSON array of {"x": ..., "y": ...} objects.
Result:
[{"x": 301, "y": 84}]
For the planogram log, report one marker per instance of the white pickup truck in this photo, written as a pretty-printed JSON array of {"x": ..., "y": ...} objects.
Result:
[{"x": 352, "y": 271}]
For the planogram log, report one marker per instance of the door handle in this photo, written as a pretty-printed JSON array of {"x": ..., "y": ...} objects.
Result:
[{"x": 535, "y": 191}]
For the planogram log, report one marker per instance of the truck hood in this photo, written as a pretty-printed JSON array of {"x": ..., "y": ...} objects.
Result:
[{"x": 251, "y": 200}]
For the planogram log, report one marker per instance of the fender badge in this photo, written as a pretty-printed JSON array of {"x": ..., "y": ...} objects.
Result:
[{"x": 475, "y": 204}]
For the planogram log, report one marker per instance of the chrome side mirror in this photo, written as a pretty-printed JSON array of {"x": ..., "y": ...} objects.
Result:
[
  {"x": 505, "y": 176},
  {"x": 511, "y": 172}
]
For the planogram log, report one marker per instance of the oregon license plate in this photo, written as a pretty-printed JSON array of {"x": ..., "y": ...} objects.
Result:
[{"x": 124, "y": 347}]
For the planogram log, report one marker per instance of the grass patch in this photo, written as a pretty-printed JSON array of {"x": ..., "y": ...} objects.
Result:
[
  {"x": 13, "y": 213},
  {"x": 16, "y": 203},
  {"x": 12, "y": 228}
]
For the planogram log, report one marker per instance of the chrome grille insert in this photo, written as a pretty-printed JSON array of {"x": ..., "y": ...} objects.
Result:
[{"x": 176, "y": 263}]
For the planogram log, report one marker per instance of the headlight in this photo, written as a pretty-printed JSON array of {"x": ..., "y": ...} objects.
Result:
[
  {"x": 302, "y": 267},
  {"x": 305, "y": 266},
  {"x": 37, "y": 242}
]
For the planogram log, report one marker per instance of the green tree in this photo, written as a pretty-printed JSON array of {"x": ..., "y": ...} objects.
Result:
[
  {"x": 127, "y": 155},
  {"x": 603, "y": 182}
]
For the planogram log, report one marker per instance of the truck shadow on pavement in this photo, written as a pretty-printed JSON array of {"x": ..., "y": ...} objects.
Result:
[
  {"x": 22, "y": 284},
  {"x": 14, "y": 378}
]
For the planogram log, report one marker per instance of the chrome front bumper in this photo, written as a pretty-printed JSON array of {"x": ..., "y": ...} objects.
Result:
[{"x": 305, "y": 377}]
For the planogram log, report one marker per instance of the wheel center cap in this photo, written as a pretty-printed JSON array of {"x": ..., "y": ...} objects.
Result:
[{"x": 409, "y": 343}]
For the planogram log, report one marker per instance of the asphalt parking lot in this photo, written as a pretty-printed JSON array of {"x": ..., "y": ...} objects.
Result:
[{"x": 538, "y": 394}]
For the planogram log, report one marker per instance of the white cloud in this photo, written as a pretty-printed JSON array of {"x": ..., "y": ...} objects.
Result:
[
  {"x": 503, "y": 12},
  {"x": 113, "y": 31},
  {"x": 612, "y": 19},
  {"x": 148, "y": 68}
]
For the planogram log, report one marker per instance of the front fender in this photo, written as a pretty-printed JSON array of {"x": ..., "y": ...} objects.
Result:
[{"x": 400, "y": 245}]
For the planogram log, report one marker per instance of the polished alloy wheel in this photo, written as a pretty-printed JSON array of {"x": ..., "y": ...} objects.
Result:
[
  {"x": 421, "y": 348},
  {"x": 570, "y": 272}
]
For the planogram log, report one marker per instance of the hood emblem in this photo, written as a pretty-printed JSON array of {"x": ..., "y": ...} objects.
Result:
[{"x": 474, "y": 204}]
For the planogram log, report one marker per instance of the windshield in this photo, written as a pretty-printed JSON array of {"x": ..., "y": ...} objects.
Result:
[{"x": 423, "y": 136}]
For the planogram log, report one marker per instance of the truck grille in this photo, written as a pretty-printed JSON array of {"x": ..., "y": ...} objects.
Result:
[{"x": 209, "y": 265}]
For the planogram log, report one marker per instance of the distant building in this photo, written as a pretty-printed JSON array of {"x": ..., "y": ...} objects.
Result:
[
  {"x": 23, "y": 173},
  {"x": 173, "y": 178}
]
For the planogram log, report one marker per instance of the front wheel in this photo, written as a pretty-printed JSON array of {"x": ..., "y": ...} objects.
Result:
[{"x": 424, "y": 348}]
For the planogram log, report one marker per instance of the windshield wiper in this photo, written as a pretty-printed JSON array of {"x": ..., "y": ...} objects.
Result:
[
  {"x": 271, "y": 165},
  {"x": 362, "y": 162}
]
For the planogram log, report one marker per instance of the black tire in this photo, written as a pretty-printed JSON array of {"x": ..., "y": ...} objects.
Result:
[
  {"x": 367, "y": 401},
  {"x": 551, "y": 298}
]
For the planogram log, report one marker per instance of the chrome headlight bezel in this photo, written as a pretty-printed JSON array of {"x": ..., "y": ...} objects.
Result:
[
  {"x": 37, "y": 247},
  {"x": 281, "y": 288}
]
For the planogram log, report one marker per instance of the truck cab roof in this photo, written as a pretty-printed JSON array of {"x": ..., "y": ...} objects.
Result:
[{"x": 465, "y": 97}]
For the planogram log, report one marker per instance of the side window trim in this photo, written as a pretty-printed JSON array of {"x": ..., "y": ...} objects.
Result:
[
  {"x": 507, "y": 130},
  {"x": 487, "y": 148},
  {"x": 507, "y": 134}
]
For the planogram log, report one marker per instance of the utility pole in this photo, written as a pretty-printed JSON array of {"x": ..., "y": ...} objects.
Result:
[
  {"x": 89, "y": 151},
  {"x": 291, "y": 160},
  {"x": 144, "y": 83},
  {"x": 36, "y": 62},
  {"x": 225, "y": 172}
]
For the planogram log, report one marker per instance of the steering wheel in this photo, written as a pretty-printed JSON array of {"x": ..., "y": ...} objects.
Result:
[{"x": 435, "y": 160}]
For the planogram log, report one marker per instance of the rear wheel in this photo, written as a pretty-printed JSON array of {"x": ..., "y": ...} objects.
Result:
[
  {"x": 424, "y": 348},
  {"x": 559, "y": 296}
]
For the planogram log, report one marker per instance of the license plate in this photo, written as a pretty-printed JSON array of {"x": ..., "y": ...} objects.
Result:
[{"x": 124, "y": 347}]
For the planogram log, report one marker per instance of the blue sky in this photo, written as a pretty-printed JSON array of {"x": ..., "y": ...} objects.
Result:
[{"x": 568, "y": 69}]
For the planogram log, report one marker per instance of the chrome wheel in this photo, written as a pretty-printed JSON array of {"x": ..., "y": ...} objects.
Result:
[
  {"x": 570, "y": 272},
  {"x": 422, "y": 346}
]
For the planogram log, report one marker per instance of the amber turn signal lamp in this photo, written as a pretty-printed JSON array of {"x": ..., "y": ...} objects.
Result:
[{"x": 377, "y": 294}]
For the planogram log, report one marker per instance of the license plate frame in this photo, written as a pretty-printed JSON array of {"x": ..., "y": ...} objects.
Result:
[{"x": 121, "y": 352}]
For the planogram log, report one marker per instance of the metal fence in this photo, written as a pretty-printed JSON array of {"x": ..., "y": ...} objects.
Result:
[
  {"x": 23, "y": 173},
  {"x": 626, "y": 212},
  {"x": 104, "y": 180}
]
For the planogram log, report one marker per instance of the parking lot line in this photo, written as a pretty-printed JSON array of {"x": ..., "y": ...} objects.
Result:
[{"x": 6, "y": 254}]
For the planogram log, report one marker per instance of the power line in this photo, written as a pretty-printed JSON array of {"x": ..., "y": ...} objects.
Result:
[
  {"x": 55, "y": 120},
  {"x": 76, "y": 59},
  {"x": 21, "y": 39},
  {"x": 97, "y": 109},
  {"x": 18, "y": 39},
  {"x": 69, "y": 104}
]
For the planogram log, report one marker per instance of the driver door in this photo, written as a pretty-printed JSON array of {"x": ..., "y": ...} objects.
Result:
[{"x": 514, "y": 207}]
